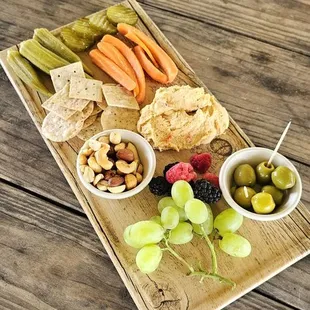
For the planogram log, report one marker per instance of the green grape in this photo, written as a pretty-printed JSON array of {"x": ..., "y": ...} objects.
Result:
[
  {"x": 165, "y": 202},
  {"x": 148, "y": 258},
  {"x": 143, "y": 233},
  {"x": 228, "y": 221},
  {"x": 169, "y": 202},
  {"x": 181, "y": 192},
  {"x": 207, "y": 225},
  {"x": 196, "y": 211},
  {"x": 235, "y": 245},
  {"x": 156, "y": 219},
  {"x": 181, "y": 234},
  {"x": 169, "y": 218}
]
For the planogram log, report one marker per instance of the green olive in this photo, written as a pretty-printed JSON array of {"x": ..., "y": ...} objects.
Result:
[
  {"x": 263, "y": 172},
  {"x": 276, "y": 193},
  {"x": 283, "y": 178},
  {"x": 244, "y": 175},
  {"x": 233, "y": 190},
  {"x": 263, "y": 203},
  {"x": 243, "y": 196}
]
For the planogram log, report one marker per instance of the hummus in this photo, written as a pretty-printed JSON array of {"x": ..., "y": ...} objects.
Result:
[{"x": 181, "y": 117}]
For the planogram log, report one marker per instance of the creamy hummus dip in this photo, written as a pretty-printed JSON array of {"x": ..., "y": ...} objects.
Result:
[{"x": 181, "y": 117}]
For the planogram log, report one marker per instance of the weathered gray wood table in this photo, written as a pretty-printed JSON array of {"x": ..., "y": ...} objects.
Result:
[{"x": 254, "y": 56}]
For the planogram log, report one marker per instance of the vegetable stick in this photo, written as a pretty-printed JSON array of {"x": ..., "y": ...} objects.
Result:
[
  {"x": 149, "y": 68},
  {"x": 111, "y": 69},
  {"x": 110, "y": 51},
  {"x": 133, "y": 60},
  {"x": 131, "y": 36},
  {"x": 165, "y": 62}
]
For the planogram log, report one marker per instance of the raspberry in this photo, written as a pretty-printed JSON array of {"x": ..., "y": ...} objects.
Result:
[
  {"x": 181, "y": 171},
  {"x": 168, "y": 167},
  {"x": 201, "y": 162},
  {"x": 212, "y": 178}
]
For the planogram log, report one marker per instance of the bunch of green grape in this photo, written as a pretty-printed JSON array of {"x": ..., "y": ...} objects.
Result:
[{"x": 182, "y": 216}]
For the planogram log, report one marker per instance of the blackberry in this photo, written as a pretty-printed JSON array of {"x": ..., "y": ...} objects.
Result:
[
  {"x": 168, "y": 167},
  {"x": 206, "y": 192},
  {"x": 159, "y": 186}
]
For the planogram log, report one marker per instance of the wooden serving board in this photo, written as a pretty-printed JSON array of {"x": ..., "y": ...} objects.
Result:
[{"x": 276, "y": 245}]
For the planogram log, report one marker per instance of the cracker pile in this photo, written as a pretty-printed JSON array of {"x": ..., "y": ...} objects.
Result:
[{"x": 83, "y": 107}]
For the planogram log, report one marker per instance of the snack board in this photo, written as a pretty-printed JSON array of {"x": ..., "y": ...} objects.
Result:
[{"x": 281, "y": 242}]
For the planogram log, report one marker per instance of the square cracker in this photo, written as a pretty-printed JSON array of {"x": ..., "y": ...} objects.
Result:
[
  {"x": 82, "y": 88},
  {"x": 61, "y": 76},
  {"x": 113, "y": 117},
  {"x": 118, "y": 96},
  {"x": 62, "y": 98}
]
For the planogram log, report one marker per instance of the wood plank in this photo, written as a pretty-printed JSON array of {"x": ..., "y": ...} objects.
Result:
[
  {"x": 281, "y": 23},
  {"x": 262, "y": 86},
  {"x": 294, "y": 238},
  {"x": 48, "y": 255}
]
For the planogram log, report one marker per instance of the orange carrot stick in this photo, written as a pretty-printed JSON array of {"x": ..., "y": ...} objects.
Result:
[
  {"x": 133, "y": 60},
  {"x": 111, "y": 69},
  {"x": 149, "y": 68},
  {"x": 131, "y": 36},
  {"x": 165, "y": 62},
  {"x": 110, "y": 51}
]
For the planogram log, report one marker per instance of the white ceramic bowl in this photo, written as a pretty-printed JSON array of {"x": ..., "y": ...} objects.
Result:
[
  {"x": 147, "y": 157},
  {"x": 254, "y": 156}
]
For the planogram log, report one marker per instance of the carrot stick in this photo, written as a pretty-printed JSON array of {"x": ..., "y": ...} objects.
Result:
[
  {"x": 133, "y": 60},
  {"x": 131, "y": 36},
  {"x": 111, "y": 69},
  {"x": 165, "y": 62},
  {"x": 149, "y": 68},
  {"x": 110, "y": 51}
]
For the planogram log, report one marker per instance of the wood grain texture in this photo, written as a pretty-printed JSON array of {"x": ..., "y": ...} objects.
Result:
[
  {"x": 79, "y": 8},
  {"x": 47, "y": 252},
  {"x": 282, "y": 23}
]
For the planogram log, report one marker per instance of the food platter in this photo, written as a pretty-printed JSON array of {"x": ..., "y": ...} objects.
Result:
[{"x": 283, "y": 242}]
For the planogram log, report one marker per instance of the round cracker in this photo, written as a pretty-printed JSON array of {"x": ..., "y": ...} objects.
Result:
[
  {"x": 113, "y": 117},
  {"x": 89, "y": 121},
  {"x": 57, "y": 129},
  {"x": 87, "y": 111},
  {"x": 91, "y": 130}
]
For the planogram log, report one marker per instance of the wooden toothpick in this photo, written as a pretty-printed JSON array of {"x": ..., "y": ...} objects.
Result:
[{"x": 279, "y": 144}]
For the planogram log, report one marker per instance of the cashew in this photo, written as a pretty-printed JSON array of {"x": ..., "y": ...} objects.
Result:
[
  {"x": 139, "y": 177},
  {"x": 98, "y": 178},
  {"x": 104, "y": 139},
  {"x": 82, "y": 159},
  {"x": 131, "y": 147},
  {"x": 140, "y": 169},
  {"x": 87, "y": 152},
  {"x": 115, "y": 137},
  {"x": 102, "y": 185},
  {"x": 92, "y": 163},
  {"x": 130, "y": 181},
  {"x": 82, "y": 168},
  {"x": 119, "y": 172},
  {"x": 102, "y": 158},
  {"x": 94, "y": 145},
  {"x": 126, "y": 168},
  {"x": 88, "y": 174},
  {"x": 120, "y": 146},
  {"x": 117, "y": 189}
]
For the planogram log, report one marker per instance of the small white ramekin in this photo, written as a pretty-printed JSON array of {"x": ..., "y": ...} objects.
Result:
[
  {"x": 254, "y": 156},
  {"x": 147, "y": 158}
]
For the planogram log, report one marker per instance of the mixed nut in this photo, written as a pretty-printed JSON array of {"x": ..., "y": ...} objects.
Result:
[{"x": 111, "y": 164}]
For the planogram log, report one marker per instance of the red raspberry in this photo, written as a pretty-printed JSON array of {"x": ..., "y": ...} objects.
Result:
[
  {"x": 212, "y": 178},
  {"x": 201, "y": 162},
  {"x": 181, "y": 171}
]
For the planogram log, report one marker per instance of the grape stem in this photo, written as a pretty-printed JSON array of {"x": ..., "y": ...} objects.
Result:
[
  {"x": 214, "y": 276},
  {"x": 212, "y": 250},
  {"x": 176, "y": 255}
]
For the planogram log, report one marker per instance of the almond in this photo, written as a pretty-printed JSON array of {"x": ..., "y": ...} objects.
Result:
[
  {"x": 116, "y": 181},
  {"x": 109, "y": 174},
  {"x": 125, "y": 154}
]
